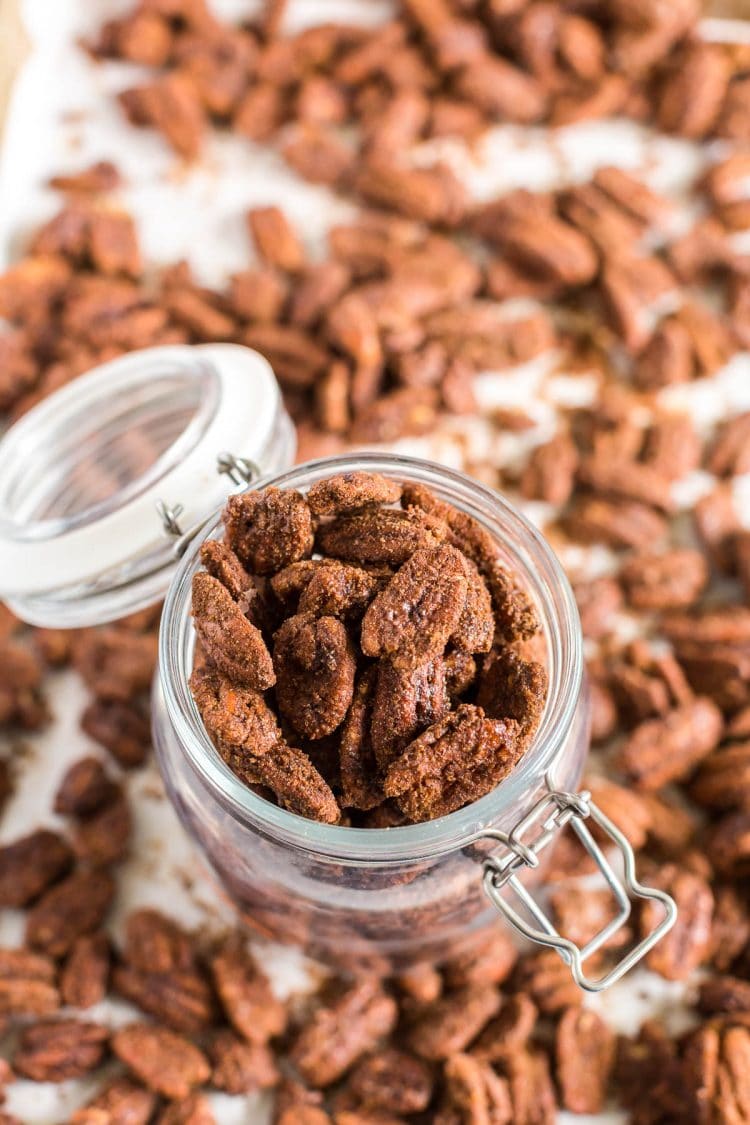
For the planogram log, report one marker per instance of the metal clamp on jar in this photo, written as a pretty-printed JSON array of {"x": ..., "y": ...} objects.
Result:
[{"x": 109, "y": 487}]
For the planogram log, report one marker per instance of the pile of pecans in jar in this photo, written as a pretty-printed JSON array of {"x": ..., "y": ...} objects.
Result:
[
  {"x": 386, "y": 639},
  {"x": 381, "y": 339}
]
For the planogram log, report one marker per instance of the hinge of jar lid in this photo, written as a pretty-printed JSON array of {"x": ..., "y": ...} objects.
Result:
[
  {"x": 240, "y": 470},
  {"x": 552, "y": 812}
]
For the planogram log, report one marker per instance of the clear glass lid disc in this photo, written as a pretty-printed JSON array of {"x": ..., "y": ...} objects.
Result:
[{"x": 86, "y": 473}]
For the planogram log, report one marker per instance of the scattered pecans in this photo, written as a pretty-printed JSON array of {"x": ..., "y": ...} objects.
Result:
[{"x": 371, "y": 344}]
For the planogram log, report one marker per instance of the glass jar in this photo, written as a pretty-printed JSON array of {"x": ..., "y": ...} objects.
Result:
[{"x": 139, "y": 438}]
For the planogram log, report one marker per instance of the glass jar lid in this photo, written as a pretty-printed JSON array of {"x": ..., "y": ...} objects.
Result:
[{"x": 98, "y": 480}]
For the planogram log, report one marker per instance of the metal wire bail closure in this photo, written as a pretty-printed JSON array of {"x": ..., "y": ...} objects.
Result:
[{"x": 552, "y": 812}]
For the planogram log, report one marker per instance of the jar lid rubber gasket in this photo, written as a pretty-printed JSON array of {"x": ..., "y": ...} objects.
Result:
[{"x": 235, "y": 404}]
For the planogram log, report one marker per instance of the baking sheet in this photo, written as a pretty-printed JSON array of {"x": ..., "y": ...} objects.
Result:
[{"x": 62, "y": 117}]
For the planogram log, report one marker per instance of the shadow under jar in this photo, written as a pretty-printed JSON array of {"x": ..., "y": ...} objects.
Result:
[{"x": 90, "y": 481}]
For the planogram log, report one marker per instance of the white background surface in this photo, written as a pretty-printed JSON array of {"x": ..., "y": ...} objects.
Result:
[{"x": 63, "y": 117}]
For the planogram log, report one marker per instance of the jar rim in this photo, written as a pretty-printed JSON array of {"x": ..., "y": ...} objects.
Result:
[{"x": 543, "y": 577}]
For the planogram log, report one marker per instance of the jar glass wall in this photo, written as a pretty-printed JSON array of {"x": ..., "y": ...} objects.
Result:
[{"x": 379, "y": 899}]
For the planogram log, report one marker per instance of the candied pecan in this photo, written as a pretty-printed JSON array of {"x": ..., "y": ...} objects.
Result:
[
  {"x": 632, "y": 195},
  {"x": 532, "y": 1093},
  {"x": 193, "y": 1110},
  {"x": 513, "y": 688},
  {"x": 27, "y": 984},
  {"x": 294, "y": 781},
  {"x": 352, "y": 328},
  {"x": 688, "y": 942},
  {"x": 545, "y": 245},
  {"x": 509, "y": 1031},
  {"x": 84, "y": 788},
  {"x": 669, "y": 748},
  {"x": 500, "y": 89},
  {"x": 667, "y": 357},
  {"x": 710, "y": 337},
  {"x": 672, "y": 580},
  {"x": 405, "y": 702},
  {"x": 30, "y": 864},
  {"x": 120, "y": 1102},
  {"x": 350, "y": 492},
  {"x": 223, "y": 565},
  {"x": 546, "y": 979},
  {"x": 54, "y": 1051},
  {"x": 85, "y": 974},
  {"x": 380, "y": 537},
  {"x": 412, "y": 619},
  {"x": 268, "y": 530},
  {"x": 691, "y": 97},
  {"x": 315, "y": 664},
  {"x": 121, "y": 728},
  {"x": 332, "y": 399},
  {"x": 240, "y": 1067},
  {"x": 237, "y": 718},
  {"x": 229, "y": 640},
  {"x": 629, "y": 811},
  {"x": 155, "y": 943},
  {"x": 20, "y": 700},
  {"x": 257, "y": 295},
  {"x": 115, "y": 663},
  {"x": 457, "y": 760},
  {"x": 317, "y": 154},
  {"x": 171, "y": 105},
  {"x": 164, "y": 1061},
  {"x": 580, "y": 914},
  {"x": 649, "y": 1076},
  {"x": 403, "y": 412},
  {"x": 453, "y": 1022},
  {"x": 103, "y": 837},
  {"x": 180, "y": 999},
  {"x": 626, "y": 480},
  {"x": 723, "y": 780},
  {"x": 430, "y": 194},
  {"x": 71, "y": 908},
  {"x": 113, "y": 244},
  {"x": 672, "y": 445},
  {"x": 474, "y": 1093},
  {"x": 585, "y": 1053},
  {"x": 393, "y": 1081},
  {"x": 730, "y": 930},
  {"x": 318, "y": 287},
  {"x": 715, "y": 1073},
  {"x": 728, "y": 845},
  {"x": 622, "y": 524},
  {"x": 275, "y": 241},
  {"x": 550, "y": 472},
  {"x": 360, "y": 787},
  {"x": 476, "y": 627},
  {"x": 246, "y": 995},
  {"x": 337, "y": 590},
  {"x": 337, "y": 1036}
]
